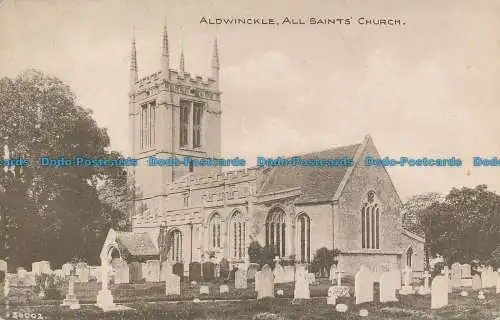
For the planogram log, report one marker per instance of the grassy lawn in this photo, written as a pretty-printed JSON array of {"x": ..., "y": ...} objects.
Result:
[{"x": 409, "y": 307}]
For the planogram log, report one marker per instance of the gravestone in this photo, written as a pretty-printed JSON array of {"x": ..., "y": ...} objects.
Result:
[
  {"x": 172, "y": 284},
  {"x": 178, "y": 269},
  {"x": 208, "y": 271},
  {"x": 265, "y": 283},
  {"x": 335, "y": 292},
  {"x": 465, "y": 270},
  {"x": 223, "y": 289},
  {"x": 152, "y": 271},
  {"x": 257, "y": 280},
  {"x": 407, "y": 276},
  {"x": 21, "y": 273},
  {"x": 45, "y": 267},
  {"x": 82, "y": 271},
  {"x": 28, "y": 279},
  {"x": 59, "y": 273},
  {"x": 70, "y": 299},
  {"x": 498, "y": 281},
  {"x": 485, "y": 278},
  {"x": 115, "y": 262},
  {"x": 35, "y": 268},
  {"x": 289, "y": 275},
  {"x": 224, "y": 268},
  {"x": 6, "y": 286},
  {"x": 439, "y": 292},
  {"x": 195, "y": 271},
  {"x": 311, "y": 277},
  {"x": 122, "y": 273},
  {"x": 363, "y": 285},
  {"x": 204, "y": 290},
  {"x": 252, "y": 270},
  {"x": 166, "y": 269},
  {"x": 135, "y": 272},
  {"x": 476, "y": 282},
  {"x": 232, "y": 273},
  {"x": 240, "y": 279},
  {"x": 333, "y": 273},
  {"x": 491, "y": 277},
  {"x": 425, "y": 289},
  {"x": 2, "y": 276},
  {"x": 388, "y": 286},
  {"x": 3, "y": 266},
  {"x": 301, "y": 290},
  {"x": 456, "y": 275},
  {"x": 67, "y": 268},
  {"x": 279, "y": 273}
]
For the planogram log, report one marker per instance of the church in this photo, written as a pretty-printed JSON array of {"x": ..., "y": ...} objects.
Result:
[{"x": 193, "y": 213}]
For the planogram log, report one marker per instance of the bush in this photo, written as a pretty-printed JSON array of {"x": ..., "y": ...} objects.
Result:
[
  {"x": 254, "y": 251},
  {"x": 208, "y": 271},
  {"x": 261, "y": 255},
  {"x": 51, "y": 285},
  {"x": 438, "y": 267},
  {"x": 323, "y": 261},
  {"x": 194, "y": 271}
]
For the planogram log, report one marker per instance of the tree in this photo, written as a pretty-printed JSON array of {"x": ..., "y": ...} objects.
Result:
[
  {"x": 51, "y": 213},
  {"x": 412, "y": 208},
  {"x": 465, "y": 226},
  {"x": 323, "y": 260}
]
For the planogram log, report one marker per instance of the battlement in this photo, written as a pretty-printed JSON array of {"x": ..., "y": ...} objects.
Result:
[
  {"x": 176, "y": 77},
  {"x": 199, "y": 182}
]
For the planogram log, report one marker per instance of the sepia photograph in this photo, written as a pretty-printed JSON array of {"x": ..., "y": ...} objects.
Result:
[{"x": 260, "y": 160}]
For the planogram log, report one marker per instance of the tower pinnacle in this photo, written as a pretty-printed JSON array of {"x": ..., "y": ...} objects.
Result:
[
  {"x": 215, "y": 62},
  {"x": 133, "y": 65},
  {"x": 165, "y": 56},
  {"x": 181, "y": 64}
]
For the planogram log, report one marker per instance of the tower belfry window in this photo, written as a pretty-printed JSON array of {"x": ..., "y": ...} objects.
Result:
[
  {"x": 184, "y": 122},
  {"x": 148, "y": 119},
  {"x": 197, "y": 118}
]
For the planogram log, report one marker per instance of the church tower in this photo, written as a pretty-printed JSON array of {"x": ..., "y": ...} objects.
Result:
[{"x": 172, "y": 114}]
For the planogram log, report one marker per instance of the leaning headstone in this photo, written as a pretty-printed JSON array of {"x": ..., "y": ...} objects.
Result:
[
  {"x": 252, "y": 270},
  {"x": 45, "y": 267},
  {"x": 152, "y": 271},
  {"x": 122, "y": 273},
  {"x": 363, "y": 285},
  {"x": 456, "y": 275},
  {"x": 476, "y": 282},
  {"x": 135, "y": 272},
  {"x": 83, "y": 272},
  {"x": 388, "y": 286},
  {"x": 240, "y": 280},
  {"x": 439, "y": 292},
  {"x": 3, "y": 266},
  {"x": 265, "y": 283},
  {"x": 172, "y": 284},
  {"x": 301, "y": 290}
]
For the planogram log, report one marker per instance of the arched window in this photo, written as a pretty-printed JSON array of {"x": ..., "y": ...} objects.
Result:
[
  {"x": 237, "y": 236},
  {"x": 409, "y": 254},
  {"x": 303, "y": 228},
  {"x": 276, "y": 231},
  {"x": 175, "y": 246},
  {"x": 214, "y": 231},
  {"x": 370, "y": 222}
]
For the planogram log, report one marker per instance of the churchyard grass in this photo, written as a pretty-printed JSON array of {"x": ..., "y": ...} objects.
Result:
[{"x": 149, "y": 303}]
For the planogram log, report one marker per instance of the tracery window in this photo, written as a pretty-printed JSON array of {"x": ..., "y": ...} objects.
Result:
[
  {"x": 276, "y": 231},
  {"x": 184, "y": 122},
  {"x": 370, "y": 222},
  {"x": 303, "y": 228},
  {"x": 237, "y": 236},
  {"x": 148, "y": 121},
  {"x": 214, "y": 231},
  {"x": 175, "y": 246}
]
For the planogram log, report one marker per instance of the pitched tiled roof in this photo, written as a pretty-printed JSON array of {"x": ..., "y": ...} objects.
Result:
[
  {"x": 316, "y": 183},
  {"x": 137, "y": 244},
  {"x": 414, "y": 228}
]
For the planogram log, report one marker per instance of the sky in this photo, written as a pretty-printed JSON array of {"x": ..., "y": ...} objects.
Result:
[{"x": 428, "y": 88}]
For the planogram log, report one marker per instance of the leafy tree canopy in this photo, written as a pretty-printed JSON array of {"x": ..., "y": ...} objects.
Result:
[{"x": 52, "y": 214}]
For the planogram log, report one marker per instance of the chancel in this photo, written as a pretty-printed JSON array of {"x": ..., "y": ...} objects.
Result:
[{"x": 195, "y": 213}]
